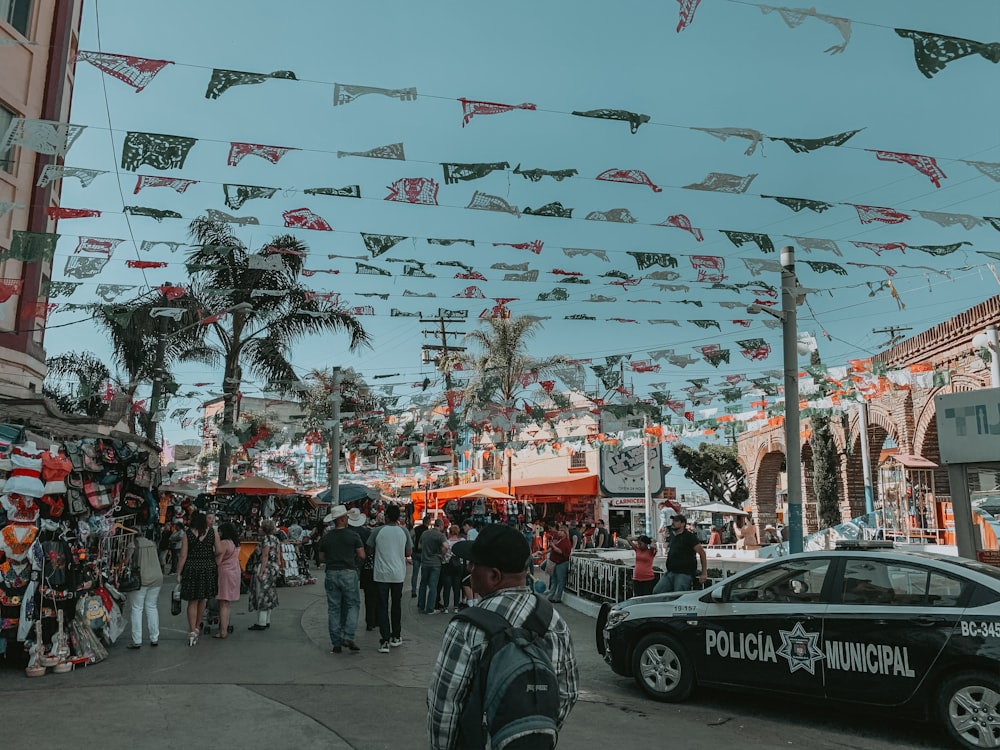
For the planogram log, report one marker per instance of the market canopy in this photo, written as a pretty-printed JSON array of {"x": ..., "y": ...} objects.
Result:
[
  {"x": 456, "y": 491},
  {"x": 184, "y": 488},
  {"x": 723, "y": 508},
  {"x": 349, "y": 493},
  {"x": 255, "y": 486},
  {"x": 488, "y": 493}
]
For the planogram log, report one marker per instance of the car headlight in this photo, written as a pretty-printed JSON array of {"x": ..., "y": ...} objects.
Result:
[{"x": 616, "y": 617}]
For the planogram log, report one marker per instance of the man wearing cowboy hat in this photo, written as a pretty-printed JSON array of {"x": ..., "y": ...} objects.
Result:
[
  {"x": 339, "y": 550},
  {"x": 358, "y": 522}
]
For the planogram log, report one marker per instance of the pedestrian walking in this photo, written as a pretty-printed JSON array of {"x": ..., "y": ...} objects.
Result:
[
  {"x": 452, "y": 572},
  {"x": 558, "y": 565},
  {"x": 358, "y": 522},
  {"x": 176, "y": 542},
  {"x": 338, "y": 550},
  {"x": 418, "y": 532},
  {"x": 196, "y": 572},
  {"x": 391, "y": 548},
  {"x": 227, "y": 559},
  {"x": 146, "y": 559},
  {"x": 498, "y": 561},
  {"x": 264, "y": 583},
  {"x": 432, "y": 544}
]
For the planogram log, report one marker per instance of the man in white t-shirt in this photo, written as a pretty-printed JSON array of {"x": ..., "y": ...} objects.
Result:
[
  {"x": 667, "y": 513},
  {"x": 393, "y": 549}
]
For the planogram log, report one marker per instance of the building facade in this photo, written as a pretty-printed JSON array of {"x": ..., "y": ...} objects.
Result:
[
  {"x": 38, "y": 42},
  {"x": 899, "y": 427}
]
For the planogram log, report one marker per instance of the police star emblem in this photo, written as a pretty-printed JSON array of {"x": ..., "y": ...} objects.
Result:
[{"x": 800, "y": 649}]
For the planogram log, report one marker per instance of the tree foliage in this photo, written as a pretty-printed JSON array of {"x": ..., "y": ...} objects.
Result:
[
  {"x": 76, "y": 382},
  {"x": 502, "y": 368},
  {"x": 367, "y": 431},
  {"x": 241, "y": 309},
  {"x": 825, "y": 467},
  {"x": 715, "y": 469}
]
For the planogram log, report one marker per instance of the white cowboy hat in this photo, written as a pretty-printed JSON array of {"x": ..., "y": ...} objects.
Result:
[
  {"x": 356, "y": 518},
  {"x": 337, "y": 511}
]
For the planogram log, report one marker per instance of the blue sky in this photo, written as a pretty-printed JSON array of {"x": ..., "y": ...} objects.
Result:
[{"x": 732, "y": 67}]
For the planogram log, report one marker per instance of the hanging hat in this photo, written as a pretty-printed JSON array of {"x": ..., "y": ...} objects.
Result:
[
  {"x": 337, "y": 511},
  {"x": 356, "y": 518},
  {"x": 26, "y": 476}
]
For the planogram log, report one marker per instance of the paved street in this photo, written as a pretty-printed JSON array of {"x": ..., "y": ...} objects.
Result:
[{"x": 283, "y": 689}]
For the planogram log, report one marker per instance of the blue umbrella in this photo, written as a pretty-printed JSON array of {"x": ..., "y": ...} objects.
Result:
[{"x": 349, "y": 493}]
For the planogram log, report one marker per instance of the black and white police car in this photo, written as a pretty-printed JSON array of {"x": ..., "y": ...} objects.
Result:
[{"x": 915, "y": 632}]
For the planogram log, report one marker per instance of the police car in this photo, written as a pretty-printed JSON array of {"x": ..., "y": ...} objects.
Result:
[{"x": 914, "y": 632}]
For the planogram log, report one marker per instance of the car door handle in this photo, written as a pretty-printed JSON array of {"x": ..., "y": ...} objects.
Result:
[{"x": 927, "y": 621}]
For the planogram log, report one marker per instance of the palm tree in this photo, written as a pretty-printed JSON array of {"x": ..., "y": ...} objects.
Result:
[
  {"x": 367, "y": 432},
  {"x": 76, "y": 382},
  {"x": 270, "y": 311},
  {"x": 500, "y": 366},
  {"x": 146, "y": 344}
]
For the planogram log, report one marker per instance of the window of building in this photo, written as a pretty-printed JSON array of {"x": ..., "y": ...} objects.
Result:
[
  {"x": 578, "y": 460},
  {"x": 17, "y": 13},
  {"x": 6, "y": 154}
]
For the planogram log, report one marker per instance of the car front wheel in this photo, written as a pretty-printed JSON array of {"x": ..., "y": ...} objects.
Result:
[
  {"x": 969, "y": 706},
  {"x": 663, "y": 668}
]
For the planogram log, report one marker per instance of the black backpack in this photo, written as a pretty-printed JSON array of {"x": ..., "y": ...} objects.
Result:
[{"x": 514, "y": 699}]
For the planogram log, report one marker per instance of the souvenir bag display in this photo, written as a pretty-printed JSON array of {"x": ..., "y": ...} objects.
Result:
[
  {"x": 100, "y": 496},
  {"x": 90, "y": 613}
]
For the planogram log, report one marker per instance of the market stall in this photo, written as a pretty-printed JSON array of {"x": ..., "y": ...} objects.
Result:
[{"x": 69, "y": 517}]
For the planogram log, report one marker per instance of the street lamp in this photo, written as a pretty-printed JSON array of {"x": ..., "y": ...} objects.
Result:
[
  {"x": 790, "y": 348},
  {"x": 988, "y": 340}
]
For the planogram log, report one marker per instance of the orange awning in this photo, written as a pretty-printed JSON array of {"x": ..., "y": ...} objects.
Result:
[
  {"x": 580, "y": 485},
  {"x": 458, "y": 490}
]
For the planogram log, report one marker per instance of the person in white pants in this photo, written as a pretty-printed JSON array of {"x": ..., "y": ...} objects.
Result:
[{"x": 145, "y": 599}]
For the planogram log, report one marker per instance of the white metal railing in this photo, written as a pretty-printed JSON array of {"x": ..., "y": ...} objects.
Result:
[
  {"x": 608, "y": 577},
  {"x": 599, "y": 579}
]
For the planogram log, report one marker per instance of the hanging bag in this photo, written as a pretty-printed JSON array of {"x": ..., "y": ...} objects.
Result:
[{"x": 100, "y": 496}]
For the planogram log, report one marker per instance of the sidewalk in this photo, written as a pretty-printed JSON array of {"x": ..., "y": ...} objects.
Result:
[{"x": 280, "y": 688}]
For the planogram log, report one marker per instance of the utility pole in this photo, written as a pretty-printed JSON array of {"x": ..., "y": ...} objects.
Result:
[
  {"x": 333, "y": 469},
  {"x": 893, "y": 332},
  {"x": 439, "y": 361},
  {"x": 156, "y": 392}
]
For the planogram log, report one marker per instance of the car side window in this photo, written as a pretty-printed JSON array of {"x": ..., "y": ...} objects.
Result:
[
  {"x": 898, "y": 584},
  {"x": 790, "y": 582}
]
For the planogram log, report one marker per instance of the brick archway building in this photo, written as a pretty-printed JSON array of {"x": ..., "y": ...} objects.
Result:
[{"x": 904, "y": 418}]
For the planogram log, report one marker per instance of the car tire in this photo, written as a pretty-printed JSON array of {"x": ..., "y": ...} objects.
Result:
[
  {"x": 663, "y": 668},
  {"x": 968, "y": 705},
  {"x": 602, "y": 620}
]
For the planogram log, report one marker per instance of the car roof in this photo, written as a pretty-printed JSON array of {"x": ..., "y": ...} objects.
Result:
[{"x": 942, "y": 559}]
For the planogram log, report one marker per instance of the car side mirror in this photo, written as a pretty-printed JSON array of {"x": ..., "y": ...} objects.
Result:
[{"x": 717, "y": 594}]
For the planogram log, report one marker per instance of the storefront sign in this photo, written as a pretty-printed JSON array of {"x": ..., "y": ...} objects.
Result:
[
  {"x": 626, "y": 502},
  {"x": 968, "y": 425},
  {"x": 623, "y": 471},
  {"x": 989, "y": 557}
]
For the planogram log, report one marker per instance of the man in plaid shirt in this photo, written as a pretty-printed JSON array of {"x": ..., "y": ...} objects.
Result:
[{"x": 497, "y": 562}]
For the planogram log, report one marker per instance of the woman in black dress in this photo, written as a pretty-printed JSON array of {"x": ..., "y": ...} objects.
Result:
[{"x": 197, "y": 572}]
